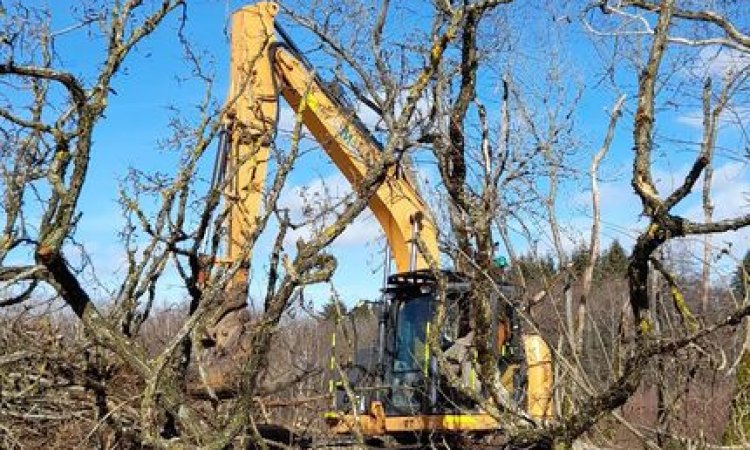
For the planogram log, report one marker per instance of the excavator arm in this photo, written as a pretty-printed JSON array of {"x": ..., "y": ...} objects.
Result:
[{"x": 262, "y": 71}]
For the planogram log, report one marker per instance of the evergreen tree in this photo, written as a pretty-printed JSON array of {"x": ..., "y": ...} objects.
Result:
[
  {"x": 535, "y": 267},
  {"x": 580, "y": 258},
  {"x": 362, "y": 310},
  {"x": 333, "y": 309},
  {"x": 741, "y": 279},
  {"x": 614, "y": 261}
]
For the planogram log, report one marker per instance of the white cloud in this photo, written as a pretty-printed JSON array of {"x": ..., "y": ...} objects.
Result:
[
  {"x": 730, "y": 192},
  {"x": 298, "y": 197},
  {"x": 731, "y": 117},
  {"x": 364, "y": 230},
  {"x": 730, "y": 195},
  {"x": 719, "y": 62},
  {"x": 693, "y": 119},
  {"x": 311, "y": 200},
  {"x": 287, "y": 118},
  {"x": 619, "y": 209},
  {"x": 368, "y": 117}
]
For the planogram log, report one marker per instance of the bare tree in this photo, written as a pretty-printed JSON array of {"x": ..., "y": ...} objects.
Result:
[
  {"x": 122, "y": 372},
  {"x": 46, "y": 160}
]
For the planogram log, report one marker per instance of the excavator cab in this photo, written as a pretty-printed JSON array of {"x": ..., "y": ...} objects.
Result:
[
  {"x": 409, "y": 367},
  {"x": 406, "y": 363},
  {"x": 399, "y": 387}
]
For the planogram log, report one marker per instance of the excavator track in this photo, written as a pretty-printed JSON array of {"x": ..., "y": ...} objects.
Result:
[
  {"x": 279, "y": 437},
  {"x": 425, "y": 446}
]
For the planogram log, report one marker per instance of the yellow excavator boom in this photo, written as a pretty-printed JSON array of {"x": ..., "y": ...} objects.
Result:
[{"x": 262, "y": 70}]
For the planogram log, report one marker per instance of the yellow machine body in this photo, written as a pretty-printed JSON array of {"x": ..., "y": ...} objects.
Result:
[{"x": 263, "y": 71}]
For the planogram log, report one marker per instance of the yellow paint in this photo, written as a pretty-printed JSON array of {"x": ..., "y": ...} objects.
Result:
[
  {"x": 377, "y": 424},
  {"x": 459, "y": 420},
  {"x": 539, "y": 377},
  {"x": 252, "y": 103},
  {"x": 311, "y": 101},
  {"x": 426, "y": 350},
  {"x": 645, "y": 326}
]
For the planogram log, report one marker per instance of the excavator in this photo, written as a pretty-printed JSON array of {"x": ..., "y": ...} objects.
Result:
[{"x": 397, "y": 387}]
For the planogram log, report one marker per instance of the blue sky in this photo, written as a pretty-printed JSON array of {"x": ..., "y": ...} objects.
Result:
[{"x": 155, "y": 79}]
